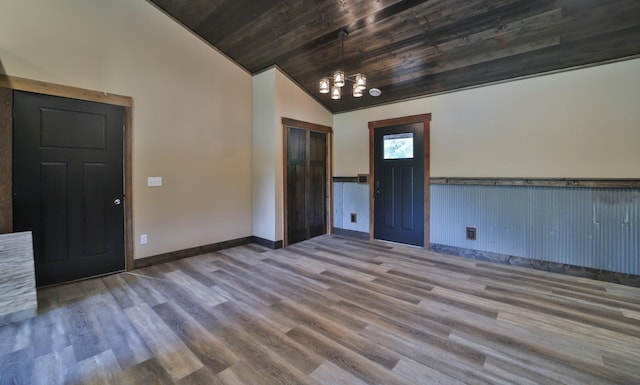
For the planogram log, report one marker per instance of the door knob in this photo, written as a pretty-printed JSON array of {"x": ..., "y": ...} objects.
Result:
[{"x": 117, "y": 201}]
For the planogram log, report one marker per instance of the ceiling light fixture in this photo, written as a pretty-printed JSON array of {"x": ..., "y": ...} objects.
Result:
[{"x": 340, "y": 79}]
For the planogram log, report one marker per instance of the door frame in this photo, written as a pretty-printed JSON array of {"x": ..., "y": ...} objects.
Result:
[
  {"x": 10, "y": 83},
  {"x": 425, "y": 119},
  {"x": 286, "y": 123}
]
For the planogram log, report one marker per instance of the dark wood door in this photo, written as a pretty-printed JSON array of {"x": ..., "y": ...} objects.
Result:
[
  {"x": 68, "y": 185},
  {"x": 306, "y": 184},
  {"x": 399, "y": 184}
]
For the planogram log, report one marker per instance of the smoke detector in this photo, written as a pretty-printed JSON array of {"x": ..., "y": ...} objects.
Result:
[{"x": 375, "y": 92}]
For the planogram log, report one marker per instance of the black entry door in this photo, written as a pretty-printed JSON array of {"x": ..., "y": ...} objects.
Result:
[
  {"x": 306, "y": 184},
  {"x": 399, "y": 184},
  {"x": 68, "y": 185}
]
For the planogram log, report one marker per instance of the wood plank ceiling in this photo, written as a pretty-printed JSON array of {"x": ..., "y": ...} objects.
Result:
[{"x": 415, "y": 47}]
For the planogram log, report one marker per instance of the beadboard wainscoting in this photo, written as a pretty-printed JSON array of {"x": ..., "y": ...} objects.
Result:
[
  {"x": 543, "y": 220},
  {"x": 350, "y": 202},
  {"x": 590, "y": 227}
]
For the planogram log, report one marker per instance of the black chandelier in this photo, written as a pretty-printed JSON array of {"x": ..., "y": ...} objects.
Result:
[{"x": 340, "y": 79}]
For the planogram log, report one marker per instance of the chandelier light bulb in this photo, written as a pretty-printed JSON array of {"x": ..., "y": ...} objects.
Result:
[
  {"x": 361, "y": 81},
  {"x": 338, "y": 78},
  {"x": 323, "y": 84},
  {"x": 335, "y": 93},
  {"x": 357, "y": 91}
]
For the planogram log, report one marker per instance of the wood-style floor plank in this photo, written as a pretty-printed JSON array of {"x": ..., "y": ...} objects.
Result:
[
  {"x": 147, "y": 372},
  {"x": 100, "y": 369},
  {"x": 174, "y": 356},
  {"x": 328, "y": 373},
  {"x": 55, "y": 368},
  {"x": 330, "y": 310},
  {"x": 204, "y": 345}
]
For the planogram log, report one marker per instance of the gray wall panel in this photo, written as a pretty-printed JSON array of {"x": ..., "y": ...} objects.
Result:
[
  {"x": 337, "y": 204},
  {"x": 351, "y": 198},
  {"x": 356, "y": 201},
  {"x": 595, "y": 228}
]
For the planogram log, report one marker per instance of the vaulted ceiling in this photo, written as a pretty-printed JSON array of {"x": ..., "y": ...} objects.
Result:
[{"x": 412, "y": 48}]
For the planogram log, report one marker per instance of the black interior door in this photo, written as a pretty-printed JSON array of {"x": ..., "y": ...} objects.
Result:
[
  {"x": 306, "y": 184},
  {"x": 317, "y": 184},
  {"x": 399, "y": 184},
  {"x": 68, "y": 185},
  {"x": 296, "y": 185}
]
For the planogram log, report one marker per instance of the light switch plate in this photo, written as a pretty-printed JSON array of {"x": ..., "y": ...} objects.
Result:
[{"x": 154, "y": 181}]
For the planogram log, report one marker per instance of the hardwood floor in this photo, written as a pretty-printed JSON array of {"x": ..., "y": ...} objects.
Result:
[{"x": 330, "y": 310}]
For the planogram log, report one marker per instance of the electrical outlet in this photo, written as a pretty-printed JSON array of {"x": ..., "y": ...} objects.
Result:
[
  {"x": 354, "y": 218},
  {"x": 471, "y": 233},
  {"x": 143, "y": 239}
]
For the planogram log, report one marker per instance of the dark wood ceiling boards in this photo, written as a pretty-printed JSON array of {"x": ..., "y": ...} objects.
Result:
[{"x": 415, "y": 47}]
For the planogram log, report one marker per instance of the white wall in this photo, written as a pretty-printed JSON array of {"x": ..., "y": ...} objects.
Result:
[
  {"x": 263, "y": 153},
  {"x": 580, "y": 124},
  {"x": 272, "y": 89},
  {"x": 191, "y": 116}
]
